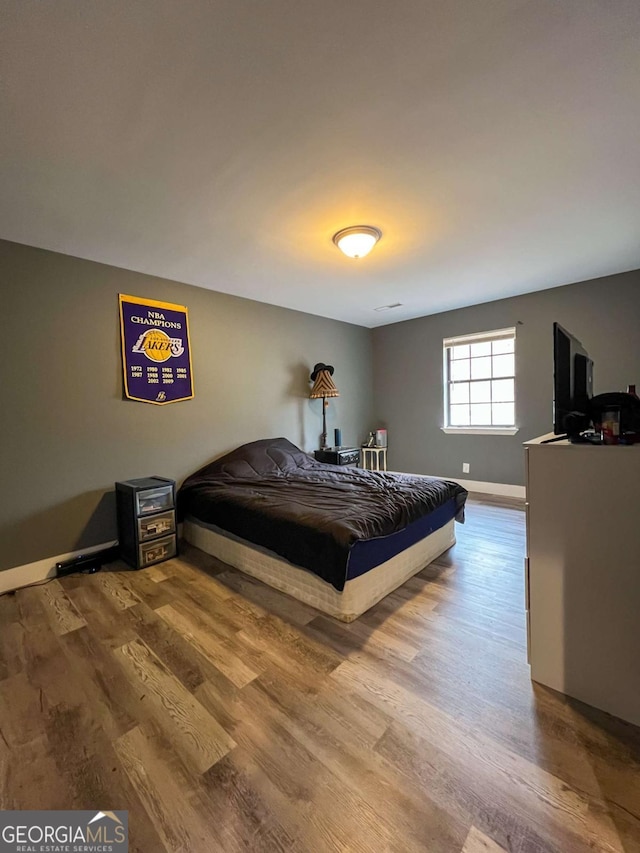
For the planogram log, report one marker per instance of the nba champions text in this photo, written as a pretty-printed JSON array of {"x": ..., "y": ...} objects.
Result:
[{"x": 156, "y": 318}]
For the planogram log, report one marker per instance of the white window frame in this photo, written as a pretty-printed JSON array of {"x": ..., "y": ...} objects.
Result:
[{"x": 479, "y": 337}]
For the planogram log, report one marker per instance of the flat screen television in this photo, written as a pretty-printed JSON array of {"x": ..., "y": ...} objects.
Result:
[{"x": 572, "y": 377}]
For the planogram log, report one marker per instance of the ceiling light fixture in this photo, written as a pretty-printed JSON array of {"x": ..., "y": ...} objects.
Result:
[{"x": 357, "y": 241}]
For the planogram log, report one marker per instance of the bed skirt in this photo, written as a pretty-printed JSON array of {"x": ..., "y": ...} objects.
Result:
[{"x": 359, "y": 593}]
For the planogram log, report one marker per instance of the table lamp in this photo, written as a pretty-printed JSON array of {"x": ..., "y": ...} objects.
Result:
[{"x": 323, "y": 386}]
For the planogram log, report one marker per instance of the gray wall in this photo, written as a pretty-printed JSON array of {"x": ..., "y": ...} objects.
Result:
[
  {"x": 604, "y": 314},
  {"x": 67, "y": 434}
]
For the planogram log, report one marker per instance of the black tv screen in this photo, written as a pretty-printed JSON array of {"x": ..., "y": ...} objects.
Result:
[{"x": 572, "y": 377}]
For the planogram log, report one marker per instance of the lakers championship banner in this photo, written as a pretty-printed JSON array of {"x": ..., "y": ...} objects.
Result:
[{"x": 156, "y": 357}]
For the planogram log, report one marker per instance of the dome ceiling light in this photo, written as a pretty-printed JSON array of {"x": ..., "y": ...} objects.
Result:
[{"x": 357, "y": 241}]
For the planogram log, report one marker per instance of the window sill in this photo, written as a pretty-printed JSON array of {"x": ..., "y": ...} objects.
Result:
[{"x": 480, "y": 430}]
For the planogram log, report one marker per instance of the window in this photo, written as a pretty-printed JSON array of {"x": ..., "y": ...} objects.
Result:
[{"x": 479, "y": 383}]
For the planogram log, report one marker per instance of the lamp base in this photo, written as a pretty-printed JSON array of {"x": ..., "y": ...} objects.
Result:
[{"x": 325, "y": 406}]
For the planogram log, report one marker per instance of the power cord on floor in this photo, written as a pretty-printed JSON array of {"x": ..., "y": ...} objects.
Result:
[
  {"x": 48, "y": 580},
  {"x": 85, "y": 564},
  {"x": 27, "y": 586}
]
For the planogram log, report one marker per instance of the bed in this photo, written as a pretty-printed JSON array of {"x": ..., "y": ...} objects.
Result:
[{"x": 335, "y": 537}]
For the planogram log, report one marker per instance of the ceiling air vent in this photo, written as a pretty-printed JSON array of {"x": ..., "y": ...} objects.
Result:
[{"x": 388, "y": 307}]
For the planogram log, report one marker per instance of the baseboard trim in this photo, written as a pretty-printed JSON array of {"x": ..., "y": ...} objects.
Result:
[
  {"x": 20, "y": 576},
  {"x": 504, "y": 490}
]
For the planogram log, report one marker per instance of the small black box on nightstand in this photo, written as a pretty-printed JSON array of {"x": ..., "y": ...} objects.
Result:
[{"x": 338, "y": 455}]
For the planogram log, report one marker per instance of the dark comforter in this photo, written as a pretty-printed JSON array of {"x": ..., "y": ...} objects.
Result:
[{"x": 273, "y": 494}]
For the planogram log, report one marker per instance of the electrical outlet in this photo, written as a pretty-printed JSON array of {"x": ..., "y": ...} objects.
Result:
[{"x": 465, "y": 467}]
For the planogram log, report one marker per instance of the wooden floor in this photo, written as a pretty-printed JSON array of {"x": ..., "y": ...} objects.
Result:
[{"x": 225, "y": 716}]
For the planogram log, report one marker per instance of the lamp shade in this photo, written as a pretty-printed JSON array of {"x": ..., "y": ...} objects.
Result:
[{"x": 323, "y": 384}]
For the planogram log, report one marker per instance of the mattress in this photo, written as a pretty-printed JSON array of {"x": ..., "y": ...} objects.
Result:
[
  {"x": 359, "y": 593},
  {"x": 366, "y": 554},
  {"x": 336, "y": 521}
]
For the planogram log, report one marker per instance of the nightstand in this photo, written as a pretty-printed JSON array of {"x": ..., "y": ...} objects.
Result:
[
  {"x": 338, "y": 455},
  {"x": 146, "y": 520}
]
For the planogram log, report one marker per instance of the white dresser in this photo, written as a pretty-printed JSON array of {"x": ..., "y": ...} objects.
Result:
[{"x": 582, "y": 572}]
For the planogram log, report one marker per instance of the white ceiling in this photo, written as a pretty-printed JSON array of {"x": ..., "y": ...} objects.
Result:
[{"x": 496, "y": 144}]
